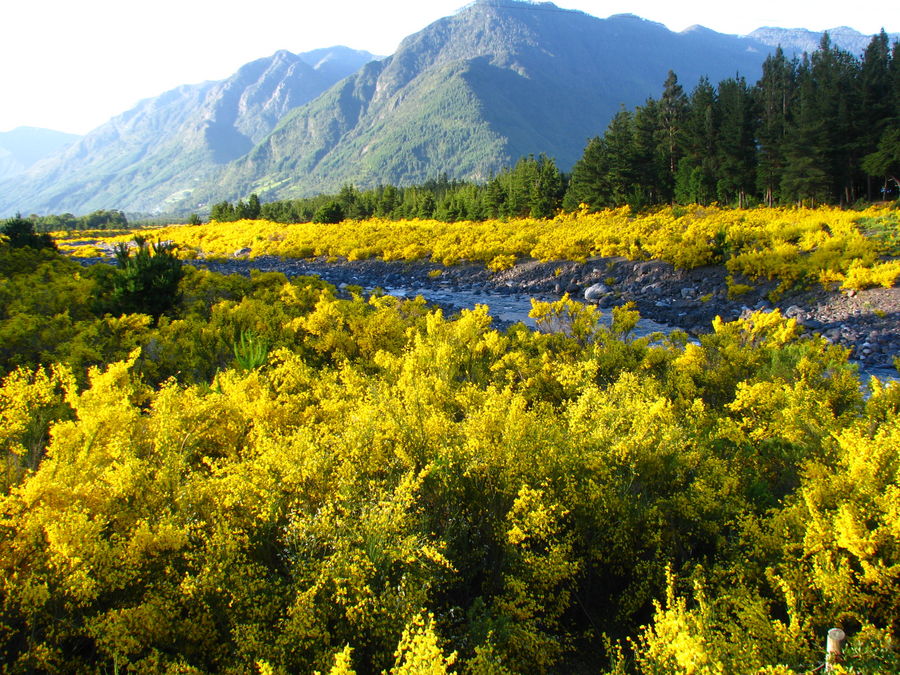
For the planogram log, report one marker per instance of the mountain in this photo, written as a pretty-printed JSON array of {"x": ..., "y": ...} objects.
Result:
[
  {"x": 796, "y": 41},
  {"x": 466, "y": 96},
  {"x": 472, "y": 92},
  {"x": 23, "y": 147},
  {"x": 157, "y": 153}
]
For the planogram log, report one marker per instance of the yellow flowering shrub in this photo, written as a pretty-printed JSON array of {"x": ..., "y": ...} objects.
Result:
[{"x": 794, "y": 245}]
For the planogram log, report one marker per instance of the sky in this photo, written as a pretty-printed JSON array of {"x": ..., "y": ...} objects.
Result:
[{"x": 72, "y": 65}]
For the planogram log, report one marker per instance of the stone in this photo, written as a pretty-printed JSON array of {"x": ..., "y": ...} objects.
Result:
[
  {"x": 606, "y": 301},
  {"x": 595, "y": 292}
]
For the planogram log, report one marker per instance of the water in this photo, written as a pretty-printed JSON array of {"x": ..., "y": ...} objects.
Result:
[{"x": 506, "y": 308}]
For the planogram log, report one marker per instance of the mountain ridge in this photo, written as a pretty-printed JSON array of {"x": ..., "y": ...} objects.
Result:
[
  {"x": 155, "y": 154},
  {"x": 796, "y": 41},
  {"x": 499, "y": 59}
]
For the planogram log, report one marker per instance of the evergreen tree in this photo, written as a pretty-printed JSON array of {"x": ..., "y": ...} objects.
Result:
[
  {"x": 834, "y": 73},
  {"x": 805, "y": 176},
  {"x": 494, "y": 198},
  {"x": 147, "y": 281},
  {"x": 696, "y": 172},
  {"x": 426, "y": 206},
  {"x": 222, "y": 212},
  {"x": 388, "y": 199},
  {"x": 736, "y": 145},
  {"x": 253, "y": 207},
  {"x": 329, "y": 214},
  {"x": 894, "y": 115},
  {"x": 648, "y": 163},
  {"x": 588, "y": 182},
  {"x": 774, "y": 95},
  {"x": 673, "y": 106},
  {"x": 546, "y": 189},
  {"x": 618, "y": 159},
  {"x": 885, "y": 162}
]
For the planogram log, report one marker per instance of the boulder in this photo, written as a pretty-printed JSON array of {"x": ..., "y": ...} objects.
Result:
[{"x": 595, "y": 292}]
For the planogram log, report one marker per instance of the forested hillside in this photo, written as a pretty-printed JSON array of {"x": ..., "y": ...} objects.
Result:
[
  {"x": 473, "y": 92},
  {"x": 822, "y": 129}
]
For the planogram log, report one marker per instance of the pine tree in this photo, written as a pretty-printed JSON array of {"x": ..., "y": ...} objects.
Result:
[
  {"x": 874, "y": 97},
  {"x": 774, "y": 95},
  {"x": 588, "y": 182},
  {"x": 673, "y": 107},
  {"x": 647, "y": 161},
  {"x": 805, "y": 176},
  {"x": 736, "y": 145},
  {"x": 696, "y": 173},
  {"x": 834, "y": 73}
]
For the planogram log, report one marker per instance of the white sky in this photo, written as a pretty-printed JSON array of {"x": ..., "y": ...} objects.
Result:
[{"x": 71, "y": 65}]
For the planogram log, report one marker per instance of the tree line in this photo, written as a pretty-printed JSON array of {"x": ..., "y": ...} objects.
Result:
[
  {"x": 821, "y": 129},
  {"x": 534, "y": 188},
  {"x": 101, "y": 219}
]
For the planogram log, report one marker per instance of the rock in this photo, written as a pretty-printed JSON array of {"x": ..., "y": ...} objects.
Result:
[
  {"x": 606, "y": 301},
  {"x": 793, "y": 312},
  {"x": 241, "y": 252},
  {"x": 595, "y": 292},
  {"x": 688, "y": 292}
]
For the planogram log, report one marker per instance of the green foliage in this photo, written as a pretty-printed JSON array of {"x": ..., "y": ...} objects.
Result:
[
  {"x": 329, "y": 214},
  {"x": 533, "y": 188},
  {"x": 19, "y": 233},
  {"x": 148, "y": 280},
  {"x": 807, "y": 132},
  {"x": 96, "y": 220},
  {"x": 250, "y": 351}
]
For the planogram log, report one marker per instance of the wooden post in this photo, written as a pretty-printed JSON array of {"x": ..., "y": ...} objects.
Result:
[{"x": 834, "y": 647}]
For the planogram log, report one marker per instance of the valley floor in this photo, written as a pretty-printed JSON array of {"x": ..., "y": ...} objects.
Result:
[{"x": 867, "y": 322}]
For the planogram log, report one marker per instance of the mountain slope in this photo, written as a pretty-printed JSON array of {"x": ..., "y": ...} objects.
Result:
[
  {"x": 23, "y": 147},
  {"x": 471, "y": 93},
  {"x": 156, "y": 154}
]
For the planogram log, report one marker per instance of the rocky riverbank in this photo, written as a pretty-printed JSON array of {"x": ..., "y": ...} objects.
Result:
[{"x": 866, "y": 322}]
